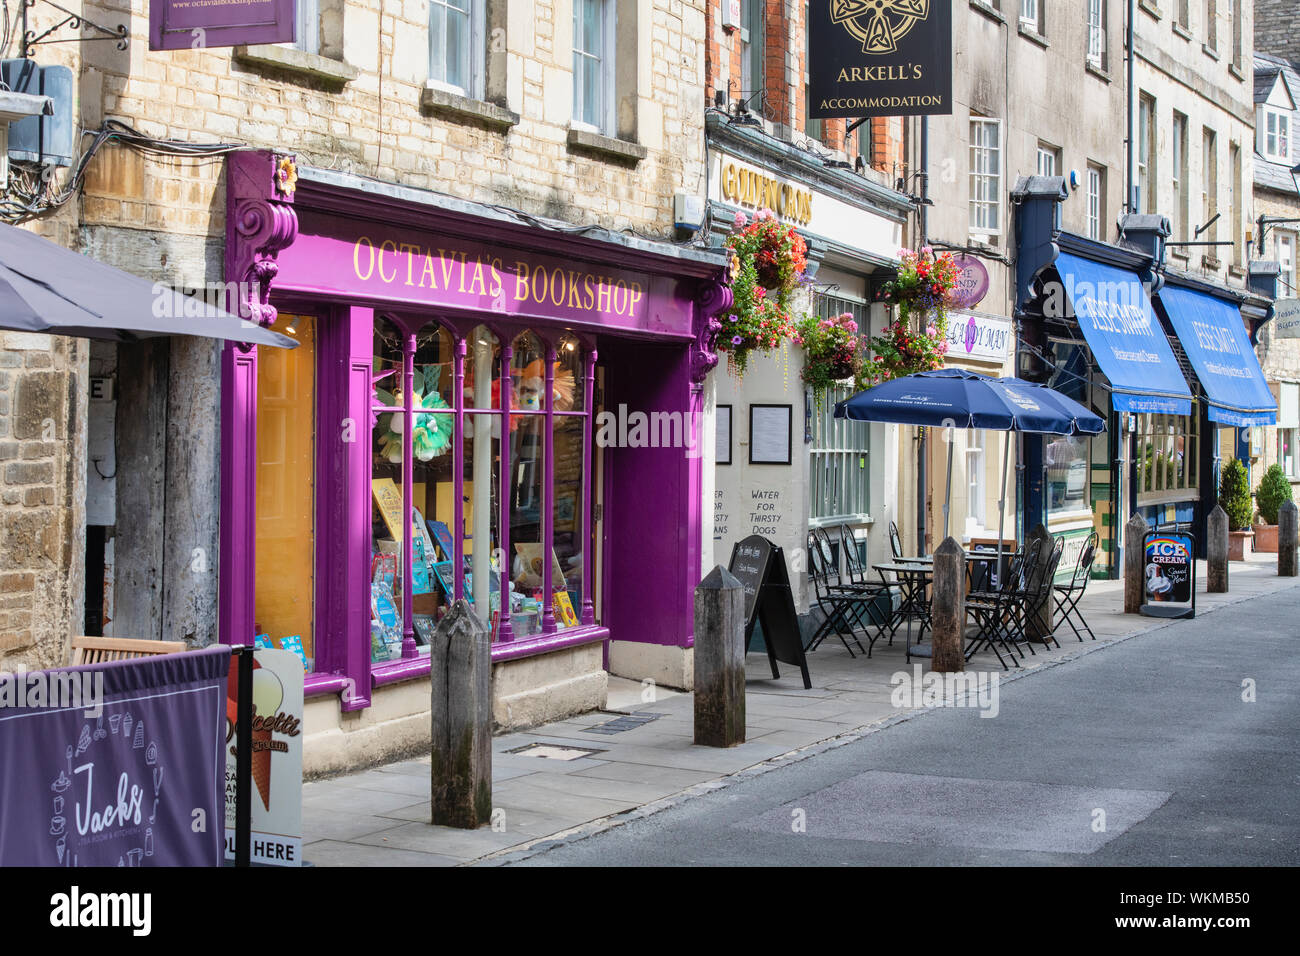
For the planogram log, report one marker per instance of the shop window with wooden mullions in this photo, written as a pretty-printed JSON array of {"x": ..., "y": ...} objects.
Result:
[
  {"x": 1167, "y": 452},
  {"x": 486, "y": 442}
]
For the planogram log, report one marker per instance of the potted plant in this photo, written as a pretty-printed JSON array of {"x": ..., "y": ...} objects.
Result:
[
  {"x": 1234, "y": 499},
  {"x": 832, "y": 351},
  {"x": 918, "y": 340},
  {"x": 769, "y": 262},
  {"x": 1273, "y": 490}
]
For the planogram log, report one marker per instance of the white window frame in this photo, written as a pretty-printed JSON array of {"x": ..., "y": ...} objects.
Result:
[
  {"x": 1097, "y": 33},
  {"x": 1146, "y": 159},
  {"x": 605, "y": 58},
  {"x": 1094, "y": 202},
  {"x": 1288, "y": 425},
  {"x": 1275, "y": 127},
  {"x": 476, "y": 22},
  {"x": 1285, "y": 244},
  {"x": 838, "y": 483},
  {"x": 1047, "y": 160},
  {"x": 1178, "y": 160},
  {"x": 1029, "y": 15},
  {"x": 982, "y": 181},
  {"x": 306, "y": 27}
]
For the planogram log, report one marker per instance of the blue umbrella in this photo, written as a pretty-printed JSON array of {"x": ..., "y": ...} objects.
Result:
[{"x": 956, "y": 398}]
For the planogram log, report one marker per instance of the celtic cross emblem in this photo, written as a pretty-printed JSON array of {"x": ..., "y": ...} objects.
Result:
[{"x": 879, "y": 24}]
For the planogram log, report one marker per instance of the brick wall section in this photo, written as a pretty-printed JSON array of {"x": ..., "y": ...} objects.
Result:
[
  {"x": 1276, "y": 30},
  {"x": 373, "y": 125},
  {"x": 785, "y": 92}
]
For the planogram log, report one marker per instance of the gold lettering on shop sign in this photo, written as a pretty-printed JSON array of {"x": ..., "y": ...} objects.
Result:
[
  {"x": 746, "y": 187},
  {"x": 559, "y": 287}
]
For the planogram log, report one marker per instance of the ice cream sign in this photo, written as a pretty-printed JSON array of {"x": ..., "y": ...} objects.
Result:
[{"x": 276, "y": 758}]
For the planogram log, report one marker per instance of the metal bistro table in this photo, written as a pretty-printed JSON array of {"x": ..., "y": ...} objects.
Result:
[{"x": 913, "y": 575}]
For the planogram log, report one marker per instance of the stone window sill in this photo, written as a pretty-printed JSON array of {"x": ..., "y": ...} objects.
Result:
[
  {"x": 606, "y": 147},
  {"x": 1237, "y": 272},
  {"x": 1099, "y": 72},
  {"x": 1179, "y": 254},
  {"x": 298, "y": 61},
  {"x": 1210, "y": 51},
  {"x": 1033, "y": 36},
  {"x": 1182, "y": 31},
  {"x": 1150, "y": 7},
  {"x": 994, "y": 15},
  {"x": 1235, "y": 70},
  {"x": 462, "y": 109},
  {"x": 1212, "y": 263}
]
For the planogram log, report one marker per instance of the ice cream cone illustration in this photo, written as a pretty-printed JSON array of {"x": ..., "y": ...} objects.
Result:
[{"x": 268, "y": 695}]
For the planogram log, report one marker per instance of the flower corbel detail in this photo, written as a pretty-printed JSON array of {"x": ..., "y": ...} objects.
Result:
[
  {"x": 286, "y": 176},
  {"x": 713, "y": 299}
]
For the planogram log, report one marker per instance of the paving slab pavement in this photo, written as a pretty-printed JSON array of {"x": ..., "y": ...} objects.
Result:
[{"x": 377, "y": 817}]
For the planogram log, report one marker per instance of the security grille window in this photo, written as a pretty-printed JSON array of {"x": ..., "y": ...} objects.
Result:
[
  {"x": 593, "y": 57},
  {"x": 307, "y": 26},
  {"x": 1096, "y": 201},
  {"x": 1029, "y": 15},
  {"x": 838, "y": 458},
  {"x": 1179, "y": 163},
  {"x": 1097, "y": 33},
  {"x": 1166, "y": 457},
  {"x": 985, "y": 176},
  {"x": 1146, "y": 154},
  {"x": 1210, "y": 181},
  {"x": 455, "y": 36},
  {"x": 1275, "y": 135}
]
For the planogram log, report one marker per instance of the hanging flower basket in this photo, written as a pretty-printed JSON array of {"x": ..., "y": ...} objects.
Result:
[
  {"x": 769, "y": 262},
  {"x": 921, "y": 294},
  {"x": 833, "y": 352}
]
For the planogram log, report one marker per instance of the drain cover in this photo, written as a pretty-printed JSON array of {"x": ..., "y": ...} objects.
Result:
[
  {"x": 554, "y": 751},
  {"x": 620, "y": 724}
]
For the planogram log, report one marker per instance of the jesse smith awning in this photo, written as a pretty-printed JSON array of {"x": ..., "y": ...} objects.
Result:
[
  {"x": 1126, "y": 338},
  {"x": 1217, "y": 346}
]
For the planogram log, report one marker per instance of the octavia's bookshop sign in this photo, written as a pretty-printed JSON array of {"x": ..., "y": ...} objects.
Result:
[
  {"x": 195, "y": 24},
  {"x": 880, "y": 57}
]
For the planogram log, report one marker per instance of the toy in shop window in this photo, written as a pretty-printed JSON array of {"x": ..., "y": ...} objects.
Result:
[{"x": 432, "y": 433}]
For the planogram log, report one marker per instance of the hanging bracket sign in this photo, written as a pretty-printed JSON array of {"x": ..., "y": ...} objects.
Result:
[{"x": 880, "y": 58}]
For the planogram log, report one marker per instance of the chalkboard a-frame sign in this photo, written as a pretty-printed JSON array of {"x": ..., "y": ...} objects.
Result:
[{"x": 760, "y": 566}]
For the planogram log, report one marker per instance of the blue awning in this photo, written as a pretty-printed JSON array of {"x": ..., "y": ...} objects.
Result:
[
  {"x": 1216, "y": 343},
  {"x": 1115, "y": 316}
]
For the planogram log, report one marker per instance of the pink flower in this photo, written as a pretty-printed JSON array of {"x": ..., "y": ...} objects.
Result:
[
  {"x": 926, "y": 250},
  {"x": 741, "y": 220},
  {"x": 852, "y": 326},
  {"x": 736, "y": 340},
  {"x": 931, "y": 331}
]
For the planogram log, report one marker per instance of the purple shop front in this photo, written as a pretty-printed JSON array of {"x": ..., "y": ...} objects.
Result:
[{"x": 441, "y": 432}]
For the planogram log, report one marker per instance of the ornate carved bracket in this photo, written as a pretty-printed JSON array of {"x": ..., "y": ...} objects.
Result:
[
  {"x": 260, "y": 222},
  {"x": 712, "y": 299}
]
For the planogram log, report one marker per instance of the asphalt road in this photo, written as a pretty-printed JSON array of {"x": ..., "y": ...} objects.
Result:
[{"x": 1143, "y": 753}]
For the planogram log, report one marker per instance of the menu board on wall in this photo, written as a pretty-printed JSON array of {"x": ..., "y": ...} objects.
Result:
[{"x": 769, "y": 434}]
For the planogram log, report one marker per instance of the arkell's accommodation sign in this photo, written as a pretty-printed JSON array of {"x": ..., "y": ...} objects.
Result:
[
  {"x": 880, "y": 57},
  {"x": 195, "y": 24}
]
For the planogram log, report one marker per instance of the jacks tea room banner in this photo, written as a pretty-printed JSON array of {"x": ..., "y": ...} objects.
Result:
[{"x": 880, "y": 58}]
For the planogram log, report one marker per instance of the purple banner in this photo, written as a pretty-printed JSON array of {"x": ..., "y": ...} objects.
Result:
[
  {"x": 195, "y": 24},
  {"x": 116, "y": 764}
]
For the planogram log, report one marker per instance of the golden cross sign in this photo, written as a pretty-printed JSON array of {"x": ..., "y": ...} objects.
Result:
[{"x": 879, "y": 24}]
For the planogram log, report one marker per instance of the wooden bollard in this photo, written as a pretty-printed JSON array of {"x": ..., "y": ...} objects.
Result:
[
  {"x": 1135, "y": 532},
  {"x": 1287, "y": 529},
  {"x": 460, "y": 670},
  {"x": 1040, "y": 625},
  {"x": 948, "y": 609},
  {"x": 720, "y": 660},
  {"x": 1216, "y": 551}
]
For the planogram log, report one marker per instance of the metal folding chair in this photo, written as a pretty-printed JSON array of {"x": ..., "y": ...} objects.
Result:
[
  {"x": 1069, "y": 595},
  {"x": 1039, "y": 591},
  {"x": 844, "y": 608},
  {"x": 895, "y": 541},
  {"x": 997, "y": 614}
]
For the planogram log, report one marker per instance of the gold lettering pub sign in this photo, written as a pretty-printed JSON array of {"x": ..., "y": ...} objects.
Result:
[{"x": 748, "y": 187}]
